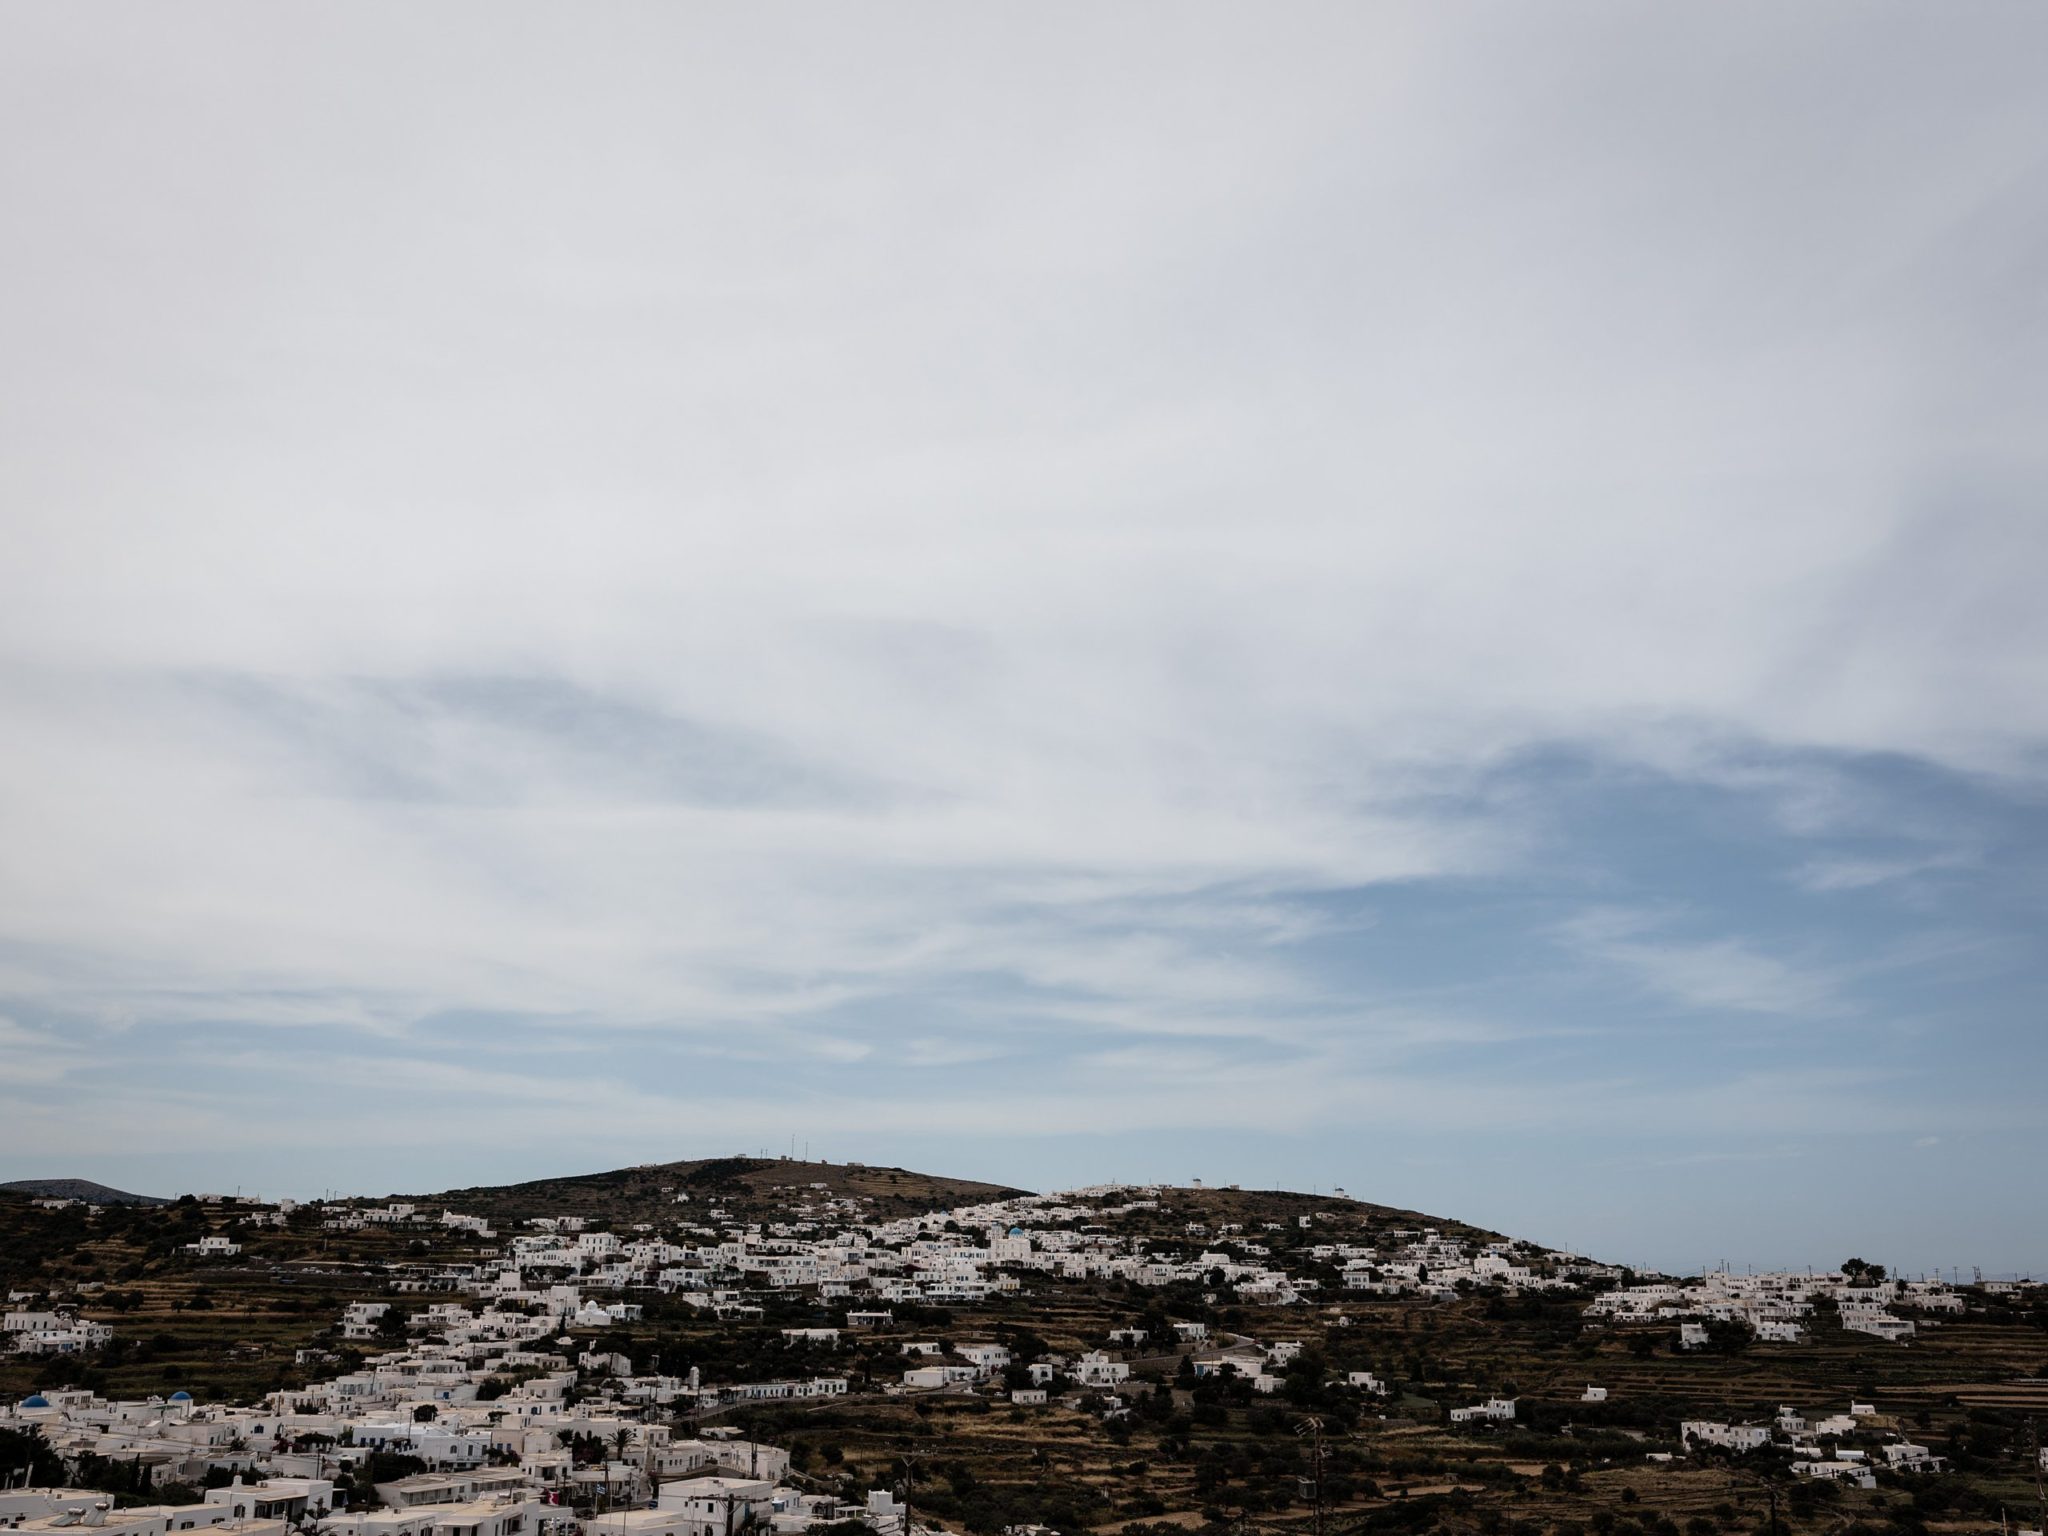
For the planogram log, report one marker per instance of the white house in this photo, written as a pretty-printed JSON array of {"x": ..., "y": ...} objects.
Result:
[
  {"x": 1494, "y": 1409},
  {"x": 715, "y": 1505},
  {"x": 1904, "y": 1456},
  {"x": 1855, "y": 1472},
  {"x": 290, "y": 1499},
  {"x": 1734, "y": 1437},
  {"x": 986, "y": 1358},
  {"x": 498, "y": 1515},
  {"x": 1095, "y": 1369},
  {"x": 930, "y": 1377}
]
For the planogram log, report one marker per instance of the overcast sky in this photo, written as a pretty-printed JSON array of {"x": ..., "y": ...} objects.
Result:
[{"x": 1443, "y": 599}]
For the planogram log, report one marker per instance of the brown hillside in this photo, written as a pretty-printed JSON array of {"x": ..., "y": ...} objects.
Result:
[{"x": 769, "y": 1187}]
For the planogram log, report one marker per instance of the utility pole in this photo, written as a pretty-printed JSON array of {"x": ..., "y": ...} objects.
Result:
[
  {"x": 2040, "y": 1486},
  {"x": 1757, "y": 1479},
  {"x": 910, "y": 1461},
  {"x": 1313, "y": 1428}
]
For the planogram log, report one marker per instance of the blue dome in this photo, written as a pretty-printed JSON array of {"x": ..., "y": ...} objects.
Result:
[
  {"x": 35, "y": 1401},
  {"x": 181, "y": 1397}
]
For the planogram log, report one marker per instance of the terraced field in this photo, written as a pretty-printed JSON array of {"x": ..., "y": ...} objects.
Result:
[{"x": 1206, "y": 1455}]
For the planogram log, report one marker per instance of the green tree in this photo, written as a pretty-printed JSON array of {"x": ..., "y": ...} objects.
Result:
[{"x": 26, "y": 1451}]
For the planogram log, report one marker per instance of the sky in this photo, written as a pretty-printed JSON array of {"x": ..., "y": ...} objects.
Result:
[{"x": 1437, "y": 599}]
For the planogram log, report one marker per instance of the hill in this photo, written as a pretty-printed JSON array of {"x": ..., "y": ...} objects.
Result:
[
  {"x": 782, "y": 1188},
  {"x": 747, "y": 1187},
  {"x": 77, "y": 1189},
  {"x": 1216, "y": 1210},
  {"x": 1184, "y": 1441}
]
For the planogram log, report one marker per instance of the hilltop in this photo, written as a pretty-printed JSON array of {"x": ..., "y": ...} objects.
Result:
[
  {"x": 745, "y": 1186},
  {"x": 77, "y": 1189},
  {"x": 1218, "y": 1207},
  {"x": 779, "y": 1188}
]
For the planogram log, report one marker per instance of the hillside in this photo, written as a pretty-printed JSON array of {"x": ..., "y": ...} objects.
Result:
[
  {"x": 77, "y": 1189},
  {"x": 1180, "y": 1447},
  {"x": 1217, "y": 1208},
  {"x": 747, "y": 1187}
]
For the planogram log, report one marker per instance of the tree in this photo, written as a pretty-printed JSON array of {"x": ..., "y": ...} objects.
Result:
[
  {"x": 1729, "y": 1336},
  {"x": 27, "y": 1451}
]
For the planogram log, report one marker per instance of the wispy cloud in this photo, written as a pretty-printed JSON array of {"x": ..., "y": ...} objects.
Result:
[
  {"x": 1857, "y": 874},
  {"x": 1043, "y": 630},
  {"x": 1719, "y": 974},
  {"x": 36, "y": 1058}
]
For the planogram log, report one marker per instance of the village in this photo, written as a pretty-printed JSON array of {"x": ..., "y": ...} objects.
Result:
[{"x": 491, "y": 1397}]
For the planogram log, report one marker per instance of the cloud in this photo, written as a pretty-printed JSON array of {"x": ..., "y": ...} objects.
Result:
[
  {"x": 1708, "y": 975},
  {"x": 1857, "y": 874},
  {"x": 32, "y": 1057},
  {"x": 655, "y": 545}
]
